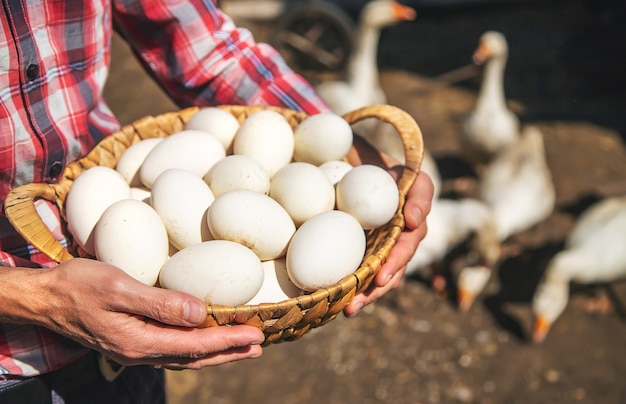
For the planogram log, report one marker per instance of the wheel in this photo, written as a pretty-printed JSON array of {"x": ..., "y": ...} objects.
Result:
[{"x": 316, "y": 36}]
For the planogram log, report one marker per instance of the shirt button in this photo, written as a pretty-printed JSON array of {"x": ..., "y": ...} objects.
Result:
[
  {"x": 55, "y": 169},
  {"x": 32, "y": 71}
]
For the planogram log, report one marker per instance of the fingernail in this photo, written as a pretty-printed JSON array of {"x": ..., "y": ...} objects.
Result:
[
  {"x": 193, "y": 312},
  {"x": 417, "y": 215},
  {"x": 357, "y": 308},
  {"x": 254, "y": 354},
  {"x": 386, "y": 280}
]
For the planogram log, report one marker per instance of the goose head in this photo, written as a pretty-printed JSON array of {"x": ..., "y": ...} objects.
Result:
[
  {"x": 384, "y": 13},
  {"x": 549, "y": 302},
  {"x": 491, "y": 45},
  {"x": 472, "y": 280}
]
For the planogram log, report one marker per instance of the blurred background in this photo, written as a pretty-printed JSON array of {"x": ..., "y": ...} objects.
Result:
[{"x": 566, "y": 74}]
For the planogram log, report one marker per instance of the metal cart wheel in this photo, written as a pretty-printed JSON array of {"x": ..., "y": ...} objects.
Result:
[{"x": 314, "y": 36}]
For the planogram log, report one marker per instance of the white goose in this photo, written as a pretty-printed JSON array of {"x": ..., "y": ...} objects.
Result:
[
  {"x": 451, "y": 222},
  {"x": 362, "y": 85},
  {"x": 518, "y": 185},
  {"x": 491, "y": 126},
  {"x": 594, "y": 253},
  {"x": 472, "y": 280}
]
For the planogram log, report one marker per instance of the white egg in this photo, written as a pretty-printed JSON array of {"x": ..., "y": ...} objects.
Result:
[
  {"x": 277, "y": 286},
  {"x": 131, "y": 236},
  {"x": 267, "y": 137},
  {"x": 237, "y": 172},
  {"x": 131, "y": 160},
  {"x": 182, "y": 198},
  {"x": 321, "y": 138},
  {"x": 140, "y": 194},
  {"x": 370, "y": 194},
  {"x": 92, "y": 192},
  {"x": 193, "y": 150},
  {"x": 303, "y": 190},
  {"x": 335, "y": 169},
  {"x": 325, "y": 249},
  {"x": 252, "y": 219},
  {"x": 217, "y": 271},
  {"x": 218, "y": 122}
]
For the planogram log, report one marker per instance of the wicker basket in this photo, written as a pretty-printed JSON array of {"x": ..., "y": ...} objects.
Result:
[{"x": 281, "y": 321}]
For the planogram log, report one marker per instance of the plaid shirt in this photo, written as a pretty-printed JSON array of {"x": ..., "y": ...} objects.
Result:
[{"x": 54, "y": 61}]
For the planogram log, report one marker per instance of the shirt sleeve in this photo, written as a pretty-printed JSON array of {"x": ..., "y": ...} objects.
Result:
[{"x": 199, "y": 57}]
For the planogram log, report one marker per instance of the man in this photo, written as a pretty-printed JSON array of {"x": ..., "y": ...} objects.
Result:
[{"x": 57, "y": 320}]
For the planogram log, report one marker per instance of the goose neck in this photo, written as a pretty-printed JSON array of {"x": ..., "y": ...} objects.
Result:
[
  {"x": 492, "y": 89},
  {"x": 363, "y": 67},
  {"x": 571, "y": 264}
]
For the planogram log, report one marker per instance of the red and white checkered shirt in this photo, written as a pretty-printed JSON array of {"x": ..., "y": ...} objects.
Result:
[{"x": 54, "y": 61}]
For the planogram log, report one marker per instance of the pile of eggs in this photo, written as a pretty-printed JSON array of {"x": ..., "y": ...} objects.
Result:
[{"x": 250, "y": 213}]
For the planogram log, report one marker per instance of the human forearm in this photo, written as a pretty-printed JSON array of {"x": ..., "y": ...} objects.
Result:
[
  {"x": 200, "y": 57},
  {"x": 23, "y": 292},
  {"x": 102, "y": 308}
]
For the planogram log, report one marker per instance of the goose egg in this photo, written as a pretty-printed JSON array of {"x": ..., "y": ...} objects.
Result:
[
  {"x": 277, "y": 286},
  {"x": 131, "y": 160},
  {"x": 218, "y": 122},
  {"x": 370, "y": 194},
  {"x": 216, "y": 271},
  {"x": 252, "y": 219},
  {"x": 267, "y": 137},
  {"x": 140, "y": 194},
  {"x": 182, "y": 198},
  {"x": 321, "y": 138},
  {"x": 131, "y": 236},
  {"x": 94, "y": 190},
  {"x": 237, "y": 172},
  {"x": 326, "y": 248},
  {"x": 193, "y": 150},
  {"x": 335, "y": 169},
  {"x": 303, "y": 190}
]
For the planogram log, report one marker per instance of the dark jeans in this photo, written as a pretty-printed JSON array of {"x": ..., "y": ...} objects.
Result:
[
  {"x": 135, "y": 385},
  {"x": 82, "y": 382}
]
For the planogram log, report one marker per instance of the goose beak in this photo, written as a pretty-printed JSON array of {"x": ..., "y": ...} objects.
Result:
[
  {"x": 540, "y": 329},
  {"x": 481, "y": 54},
  {"x": 403, "y": 13},
  {"x": 465, "y": 299}
]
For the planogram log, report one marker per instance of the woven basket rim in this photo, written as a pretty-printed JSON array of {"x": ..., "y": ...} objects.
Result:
[{"x": 280, "y": 321}]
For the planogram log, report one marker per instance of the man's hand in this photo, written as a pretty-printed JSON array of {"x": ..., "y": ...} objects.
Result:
[
  {"x": 416, "y": 208},
  {"x": 103, "y": 308},
  {"x": 392, "y": 271}
]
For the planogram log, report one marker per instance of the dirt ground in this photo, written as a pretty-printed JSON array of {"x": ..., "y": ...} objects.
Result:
[{"x": 566, "y": 75}]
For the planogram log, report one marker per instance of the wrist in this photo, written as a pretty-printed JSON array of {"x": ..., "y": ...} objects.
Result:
[{"x": 25, "y": 294}]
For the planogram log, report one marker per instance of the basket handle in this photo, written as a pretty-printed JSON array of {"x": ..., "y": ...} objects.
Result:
[
  {"x": 19, "y": 208},
  {"x": 409, "y": 131}
]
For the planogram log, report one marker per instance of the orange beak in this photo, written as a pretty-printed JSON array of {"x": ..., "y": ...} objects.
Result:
[
  {"x": 465, "y": 300},
  {"x": 540, "y": 329},
  {"x": 481, "y": 54},
  {"x": 403, "y": 13}
]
